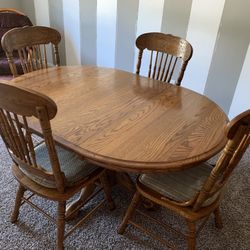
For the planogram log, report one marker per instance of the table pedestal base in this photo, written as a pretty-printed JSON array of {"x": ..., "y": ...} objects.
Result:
[
  {"x": 76, "y": 204},
  {"x": 119, "y": 178}
]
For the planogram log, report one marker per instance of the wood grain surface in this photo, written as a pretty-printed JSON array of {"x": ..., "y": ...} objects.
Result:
[{"x": 129, "y": 123}]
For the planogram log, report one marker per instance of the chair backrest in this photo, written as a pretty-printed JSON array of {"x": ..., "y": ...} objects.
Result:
[
  {"x": 31, "y": 43},
  {"x": 19, "y": 108},
  {"x": 11, "y": 18},
  {"x": 169, "y": 56},
  {"x": 238, "y": 135},
  {"x": 10, "y": 10}
]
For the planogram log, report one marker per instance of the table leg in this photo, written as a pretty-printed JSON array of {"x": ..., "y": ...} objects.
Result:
[
  {"x": 125, "y": 180},
  {"x": 119, "y": 178},
  {"x": 75, "y": 205}
]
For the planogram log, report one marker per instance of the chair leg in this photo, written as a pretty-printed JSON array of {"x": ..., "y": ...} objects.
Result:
[
  {"x": 191, "y": 235},
  {"x": 19, "y": 196},
  {"x": 60, "y": 224},
  {"x": 129, "y": 213},
  {"x": 106, "y": 189},
  {"x": 218, "y": 220}
]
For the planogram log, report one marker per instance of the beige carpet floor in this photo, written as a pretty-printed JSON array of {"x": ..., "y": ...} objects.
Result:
[{"x": 33, "y": 231}]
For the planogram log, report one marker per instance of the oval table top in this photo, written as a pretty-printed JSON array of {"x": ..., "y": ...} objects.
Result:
[{"x": 126, "y": 122}]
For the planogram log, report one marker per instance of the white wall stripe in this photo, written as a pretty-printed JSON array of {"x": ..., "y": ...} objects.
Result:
[
  {"x": 72, "y": 31},
  {"x": 106, "y": 32},
  {"x": 42, "y": 12},
  {"x": 149, "y": 20},
  {"x": 202, "y": 33},
  {"x": 241, "y": 99}
]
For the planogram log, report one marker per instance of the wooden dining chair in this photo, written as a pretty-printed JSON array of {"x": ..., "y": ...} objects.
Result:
[
  {"x": 47, "y": 170},
  {"x": 32, "y": 44},
  {"x": 169, "y": 56},
  {"x": 195, "y": 193}
]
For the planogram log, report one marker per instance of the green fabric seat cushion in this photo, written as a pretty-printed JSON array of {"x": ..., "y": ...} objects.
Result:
[
  {"x": 179, "y": 186},
  {"x": 74, "y": 168}
]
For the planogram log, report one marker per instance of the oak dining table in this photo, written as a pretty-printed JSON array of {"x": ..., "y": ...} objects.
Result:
[{"x": 129, "y": 123}]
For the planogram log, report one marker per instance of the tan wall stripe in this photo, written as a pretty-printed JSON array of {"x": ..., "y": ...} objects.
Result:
[
  {"x": 88, "y": 10},
  {"x": 126, "y": 34},
  {"x": 176, "y": 16},
  {"x": 229, "y": 53},
  {"x": 56, "y": 21}
]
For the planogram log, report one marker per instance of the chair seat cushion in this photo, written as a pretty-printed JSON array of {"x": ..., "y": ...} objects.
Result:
[
  {"x": 74, "y": 168},
  {"x": 179, "y": 186}
]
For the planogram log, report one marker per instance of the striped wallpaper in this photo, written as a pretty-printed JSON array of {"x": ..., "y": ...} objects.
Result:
[{"x": 103, "y": 32}]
